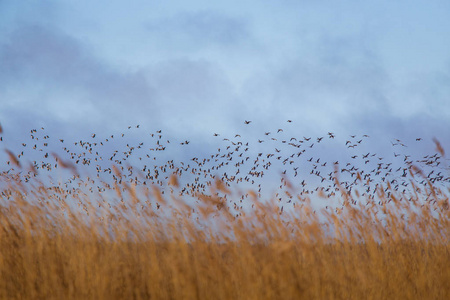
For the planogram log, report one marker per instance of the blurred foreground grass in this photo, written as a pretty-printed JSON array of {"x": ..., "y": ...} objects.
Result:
[{"x": 51, "y": 250}]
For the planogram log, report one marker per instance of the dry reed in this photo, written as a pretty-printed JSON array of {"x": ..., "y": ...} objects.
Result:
[{"x": 148, "y": 245}]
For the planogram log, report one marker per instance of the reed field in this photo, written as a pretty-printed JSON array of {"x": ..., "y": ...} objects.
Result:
[{"x": 79, "y": 221}]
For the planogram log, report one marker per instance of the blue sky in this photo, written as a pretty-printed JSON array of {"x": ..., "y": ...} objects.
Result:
[{"x": 196, "y": 67}]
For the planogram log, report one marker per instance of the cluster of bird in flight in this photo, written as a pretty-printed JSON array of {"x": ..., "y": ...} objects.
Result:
[{"x": 296, "y": 163}]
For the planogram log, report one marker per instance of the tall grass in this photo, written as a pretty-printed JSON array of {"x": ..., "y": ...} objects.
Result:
[
  {"x": 133, "y": 240},
  {"x": 53, "y": 250}
]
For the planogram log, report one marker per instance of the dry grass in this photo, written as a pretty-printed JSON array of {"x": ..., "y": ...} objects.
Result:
[
  {"x": 138, "y": 252},
  {"x": 131, "y": 241}
]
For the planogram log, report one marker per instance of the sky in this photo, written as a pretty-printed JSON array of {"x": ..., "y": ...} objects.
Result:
[{"x": 194, "y": 68}]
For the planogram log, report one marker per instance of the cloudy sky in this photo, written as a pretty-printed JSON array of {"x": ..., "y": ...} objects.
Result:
[{"x": 194, "y": 68}]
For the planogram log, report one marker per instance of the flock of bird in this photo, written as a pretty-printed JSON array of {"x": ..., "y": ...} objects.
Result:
[{"x": 295, "y": 164}]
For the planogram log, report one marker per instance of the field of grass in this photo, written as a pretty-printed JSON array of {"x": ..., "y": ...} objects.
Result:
[{"x": 56, "y": 244}]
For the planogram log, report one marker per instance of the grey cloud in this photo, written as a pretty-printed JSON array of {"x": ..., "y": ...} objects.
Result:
[
  {"x": 192, "y": 94},
  {"x": 321, "y": 96},
  {"x": 50, "y": 72},
  {"x": 426, "y": 94},
  {"x": 345, "y": 88},
  {"x": 35, "y": 53},
  {"x": 53, "y": 78},
  {"x": 214, "y": 27},
  {"x": 194, "y": 29}
]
